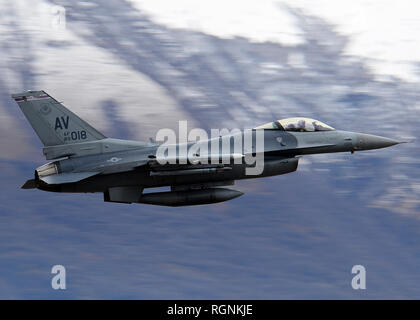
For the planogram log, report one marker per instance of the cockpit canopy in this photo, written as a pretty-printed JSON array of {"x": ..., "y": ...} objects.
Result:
[{"x": 296, "y": 124}]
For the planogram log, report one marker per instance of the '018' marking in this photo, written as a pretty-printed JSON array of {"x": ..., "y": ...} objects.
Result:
[{"x": 75, "y": 135}]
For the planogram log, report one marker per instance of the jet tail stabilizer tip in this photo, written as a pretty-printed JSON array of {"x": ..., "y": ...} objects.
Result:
[{"x": 30, "y": 184}]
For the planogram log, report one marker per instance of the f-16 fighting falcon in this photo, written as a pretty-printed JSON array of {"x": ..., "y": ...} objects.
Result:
[{"x": 196, "y": 172}]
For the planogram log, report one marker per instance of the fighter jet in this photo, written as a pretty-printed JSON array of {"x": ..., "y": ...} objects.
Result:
[{"x": 88, "y": 161}]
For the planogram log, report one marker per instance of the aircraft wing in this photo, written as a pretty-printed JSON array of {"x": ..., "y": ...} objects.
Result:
[{"x": 119, "y": 165}]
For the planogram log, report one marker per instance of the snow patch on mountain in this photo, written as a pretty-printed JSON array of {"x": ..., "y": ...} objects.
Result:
[{"x": 385, "y": 33}]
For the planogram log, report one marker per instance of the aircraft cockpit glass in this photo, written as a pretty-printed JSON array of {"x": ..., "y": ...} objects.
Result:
[{"x": 297, "y": 125}]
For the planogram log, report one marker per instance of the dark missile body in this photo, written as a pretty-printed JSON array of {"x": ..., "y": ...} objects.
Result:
[{"x": 189, "y": 197}]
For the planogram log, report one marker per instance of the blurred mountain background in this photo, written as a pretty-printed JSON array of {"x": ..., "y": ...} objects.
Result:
[{"x": 133, "y": 67}]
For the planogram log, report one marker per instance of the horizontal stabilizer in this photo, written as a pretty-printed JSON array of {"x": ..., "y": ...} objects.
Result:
[
  {"x": 30, "y": 184},
  {"x": 67, "y": 177}
]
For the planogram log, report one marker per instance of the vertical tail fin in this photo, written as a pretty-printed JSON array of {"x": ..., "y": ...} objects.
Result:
[{"x": 53, "y": 123}]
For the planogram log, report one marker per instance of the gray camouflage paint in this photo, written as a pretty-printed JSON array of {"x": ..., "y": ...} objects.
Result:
[{"x": 122, "y": 169}]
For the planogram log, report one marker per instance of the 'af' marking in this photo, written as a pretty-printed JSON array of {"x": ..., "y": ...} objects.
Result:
[{"x": 61, "y": 122}]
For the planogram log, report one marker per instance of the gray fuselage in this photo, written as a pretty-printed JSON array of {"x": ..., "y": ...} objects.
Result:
[{"x": 280, "y": 151}]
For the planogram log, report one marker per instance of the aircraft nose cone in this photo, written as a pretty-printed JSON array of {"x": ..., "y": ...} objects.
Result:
[{"x": 368, "y": 142}]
